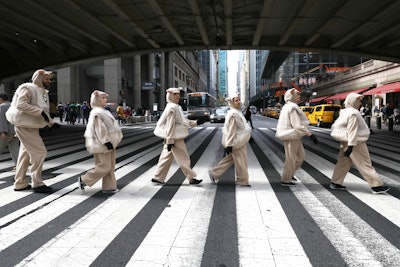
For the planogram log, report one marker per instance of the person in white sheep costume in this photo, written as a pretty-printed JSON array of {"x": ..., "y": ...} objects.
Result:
[
  {"x": 351, "y": 130},
  {"x": 173, "y": 128},
  {"x": 292, "y": 126},
  {"x": 29, "y": 111},
  {"x": 102, "y": 136},
  {"x": 236, "y": 134}
]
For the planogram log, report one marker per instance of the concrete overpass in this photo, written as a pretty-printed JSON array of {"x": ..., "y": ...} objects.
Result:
[{"x": 39, "y": 33}]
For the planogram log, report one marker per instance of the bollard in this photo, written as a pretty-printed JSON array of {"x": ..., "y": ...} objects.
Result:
[
  {"x": 378, "y": 123},
  {"x": 390, "y": 127},
  {"x": 368, "y": 121}
]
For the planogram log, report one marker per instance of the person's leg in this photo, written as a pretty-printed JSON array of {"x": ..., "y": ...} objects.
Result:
[
  {"x": 20, "y": 178},
  {"x": 102, "y": 167},
  {"x": 342, "y": 166},
  {"x": 35, "y": 148},
  {"x": 223, "y": 165},
  {"x": 182, "y": 158},
  {"x": 164, "y": 163},
  {"x": 239, "y": 156},
  {"x": 109, "y": 182},
  {"x": 362, "y": 161},
  {"x": 289, "y": 167}
]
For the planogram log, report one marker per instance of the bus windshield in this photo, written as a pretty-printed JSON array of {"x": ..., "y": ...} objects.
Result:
[
  {"x": 200, "y": 105},
  {"x": 198, "y": 101}
]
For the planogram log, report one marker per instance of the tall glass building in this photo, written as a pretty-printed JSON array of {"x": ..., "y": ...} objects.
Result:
[{"x": 223, "y": 74}]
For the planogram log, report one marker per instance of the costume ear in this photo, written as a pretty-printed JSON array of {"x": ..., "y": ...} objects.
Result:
[
  {"x": 41, "y": 72},
  {"x": 96, "y": 92}
]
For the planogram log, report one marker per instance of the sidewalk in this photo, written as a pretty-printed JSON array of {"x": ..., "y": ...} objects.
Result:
[{"x": 384, "y": 127}]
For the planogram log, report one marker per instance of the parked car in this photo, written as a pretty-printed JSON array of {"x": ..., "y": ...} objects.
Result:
[
  {"x": 219, "y": 114},
  {"x": 306, "y": 110},
  {"x": 325, "y": 114}
]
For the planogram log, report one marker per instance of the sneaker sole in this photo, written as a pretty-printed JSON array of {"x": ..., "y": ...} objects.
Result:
[
  {"x": 380, "y": 192},
  {"x": 335, "y": 188},
  {"x": 212, "y": 179},
  {"x": 82, "y": 188},
  {"x": 288, "y": 185}
]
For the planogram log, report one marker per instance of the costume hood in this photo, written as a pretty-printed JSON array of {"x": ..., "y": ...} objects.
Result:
[
  {"x": 38, "y": 75},
  {"x": 290, "y": 95},
  {"x": 170, "y": 92},
  {"x": 353, "y": 100},
  {"x": 230, "y": 100},
  {"x": 95, "y": 98}
]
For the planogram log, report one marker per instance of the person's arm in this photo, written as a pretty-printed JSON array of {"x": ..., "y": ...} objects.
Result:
[
  {"x": 101, "y": 130},
  {"x": 170, "y": 126},
  {"x": 352, "y": 128},
  {"x": 297, "y": 125},
  {"x": 231, "y": 131},
  {"x": 24, "y": 103}
]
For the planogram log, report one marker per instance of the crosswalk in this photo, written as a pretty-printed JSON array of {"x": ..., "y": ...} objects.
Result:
[{"x": 206, "y": 225}]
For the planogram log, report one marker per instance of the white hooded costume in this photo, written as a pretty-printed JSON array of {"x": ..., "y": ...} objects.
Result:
[
  {"x": 236, "y": 133},
  {"x": 292, "y": 126},
  {"x": 102, "y": 128},
  {"x": 351, "y": 130},
  {"x": 173, "y": 128},
  {"x": 29, "y": 101}
]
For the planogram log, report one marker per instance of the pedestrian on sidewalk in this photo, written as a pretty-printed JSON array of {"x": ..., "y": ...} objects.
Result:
[
  {"x": 351, "y": 130},
  {"x": 292, "y": 126},
  {"x": 173, "y": 128},
  {"x": 102, "y": 136},
  {"x": 236, "y": 134},
  {"x": 248, "y": 116},
  {"x": 29, "y": 111},
  {"x": 7, "y": 132}
]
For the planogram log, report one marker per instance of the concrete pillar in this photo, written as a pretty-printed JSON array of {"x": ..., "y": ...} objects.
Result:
[
  {"x": 112, "y": 80},
  {"x": 151, "y": 77},
  {"x": 137, "y": 83},
  {"x": 65, "y": 85},
  {"x": 163, "y": 79}
]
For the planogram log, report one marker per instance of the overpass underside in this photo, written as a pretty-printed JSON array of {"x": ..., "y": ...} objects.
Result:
[{"x": 36, "y": 34}]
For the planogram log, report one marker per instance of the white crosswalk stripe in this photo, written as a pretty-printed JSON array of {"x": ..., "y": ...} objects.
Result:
[{"x": 267, "y": 229}]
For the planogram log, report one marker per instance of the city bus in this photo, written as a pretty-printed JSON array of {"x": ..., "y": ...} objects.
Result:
[{"x": 200, "y": 105}]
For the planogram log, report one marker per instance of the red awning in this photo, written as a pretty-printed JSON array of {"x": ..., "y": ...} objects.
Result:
[
  {"x": 279, "y": 92},
  {"x": 384, "y": 89},
  {"x": 318, "y": 99},
  {"x": 341, "y": 96}
]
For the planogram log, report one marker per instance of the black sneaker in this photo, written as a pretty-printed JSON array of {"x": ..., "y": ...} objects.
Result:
[
  {"x": 157, "y": 182},
  {"x": 380, "y": 189},
  {"x": 111, "y": 191},
  {"x": 212, "y": 179},
  {"x": 195, "y": 181},
  {"x": 243, "y": 185},
  {"x": 294, "y": 179},
  {"x": 288, "y": 184},
  {"x": 43, "y": 189},
  {"x": 337, "y": 186},
  {"x": 81, "y": 185},
  {"x": 25, "y": 188}
]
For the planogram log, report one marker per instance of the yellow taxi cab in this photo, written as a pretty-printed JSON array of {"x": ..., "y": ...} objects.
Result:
[
  {"x": 272, "y": 112},
  {"x": 324, "y": 114},
  {"x": 306, "y": 110}
]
